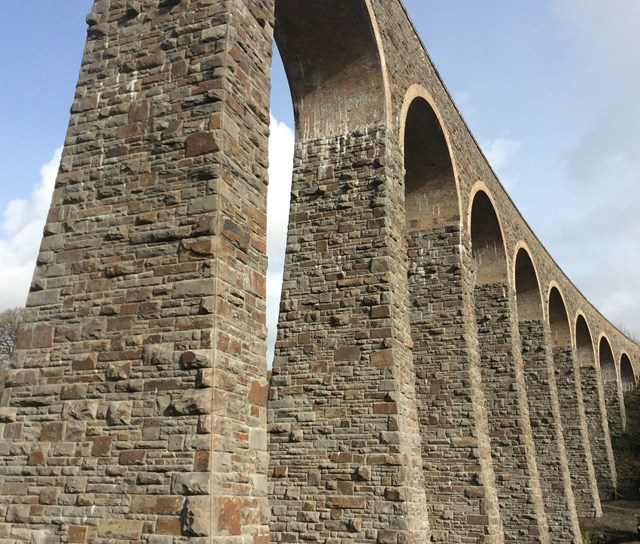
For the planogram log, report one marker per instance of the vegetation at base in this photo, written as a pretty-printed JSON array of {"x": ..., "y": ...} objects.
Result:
[
  {"x": 10, "y": 321},
  {"x": 626, "y": 449}
]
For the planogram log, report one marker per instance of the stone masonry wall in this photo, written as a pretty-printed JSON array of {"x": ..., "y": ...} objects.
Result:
[
  {"x": 576, "y": 432},
  {"x": 600, "y": 443},
  {"x": 137, "y": 411},
  {"x": 344, "y": 443},
  {"x": 138, "y": 408},
  {"x": 546, "y": 427},
  {"x": 519, "y": 493},
  {"x": 461, "y": 493}
]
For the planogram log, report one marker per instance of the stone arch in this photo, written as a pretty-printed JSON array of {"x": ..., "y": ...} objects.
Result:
[
  {"x": 595, "y": 409},
  {"x": 558, "y": 318},
  {"x": 487, "y": 239},
  {"x": 613, "y": 396},
  {"x": 627, "y": 375},
  {"x": 542, "y": 398},
  {"x": 431, "y": 188},
  {"x": 584, "y": 343},
  {"x": 528, "y": 294},
  {"x": 572, "y": 409},
  {"x": 606, "y": 361},
  {"x": 332, "y": 57}
]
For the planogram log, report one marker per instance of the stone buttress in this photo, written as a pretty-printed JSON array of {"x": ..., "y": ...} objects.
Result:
[{"x": 138, "y": 406}]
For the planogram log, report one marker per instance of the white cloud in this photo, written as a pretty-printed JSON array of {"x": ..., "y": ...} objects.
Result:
[
  {"x": 501, "y": 153},
  {"x": 603, "y": 166},
  {"x": 22, "y": 224},
  {"x": 280, "y": 165}
]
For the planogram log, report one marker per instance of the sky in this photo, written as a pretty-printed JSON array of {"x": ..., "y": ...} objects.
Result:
[{"x": 549, "y": 89}]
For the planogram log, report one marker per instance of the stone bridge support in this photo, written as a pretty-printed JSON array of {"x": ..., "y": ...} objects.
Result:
[
  {"x": 595, "y": 411},
  {"x": 572, "y": 409},
  {"x": 413, "y": 396},
  {"x": 346, "y": 460},
  {"x": 461, "y": 494},
  {"x": 138, "y": 408},
  {"x": 512, "y": 449},
  {"x": 612, "y": 389},
  {"x": 544, "y": 407}
]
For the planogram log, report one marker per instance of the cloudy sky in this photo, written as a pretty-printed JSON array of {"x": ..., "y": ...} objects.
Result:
[{"x": 549, "y": 88}]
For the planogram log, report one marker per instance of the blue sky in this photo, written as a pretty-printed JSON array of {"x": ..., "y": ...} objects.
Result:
[{"x": 549, "y": 89}]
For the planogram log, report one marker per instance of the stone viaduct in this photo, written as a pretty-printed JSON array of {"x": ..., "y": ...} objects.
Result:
[{"x": 437, "y": 377}]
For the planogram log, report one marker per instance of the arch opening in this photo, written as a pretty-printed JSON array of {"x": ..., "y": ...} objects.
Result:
[
  {"x": 331, "y": 58},
  {"x": 584, "y": 343},
  {"x": 627, "y": 376},
  {"x": 431, "y": 198},
  {"x": 490, "y": 260},
  {"x": 528, "y": 297},
  {"x": 607, "y": 362},
  {"x": 558, "y": 320}
]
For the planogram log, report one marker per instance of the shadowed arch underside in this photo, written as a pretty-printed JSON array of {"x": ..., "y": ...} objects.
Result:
[
  {"x": 627, "y": 376},
  {"x": 430, "y": 186},
  {"x": 331, "y": 57},
  {"x": 528, "y": 294},
  {"x": 487, "y": 242}
]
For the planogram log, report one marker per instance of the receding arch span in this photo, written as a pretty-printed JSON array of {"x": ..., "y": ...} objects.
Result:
[
  {"x": 607, "y": 362},
  {"x": 431, "y": 193},
  {"x": 584, "y": 343},
  {"x": 528, "y": 294},
  {"x": 558, "y": 319},
  {"x": 333, "y": 63},
  {"x": 489, "y": 255},
  {"x": 627, "y": 376}
]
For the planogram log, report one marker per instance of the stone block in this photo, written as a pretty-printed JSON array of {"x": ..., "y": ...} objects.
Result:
[
  {"x": 119, "y": 528},
  {"x": 196, "y": 517},
  {"x": 190, "y": 483},
  {"x": 119, "y": 413}
]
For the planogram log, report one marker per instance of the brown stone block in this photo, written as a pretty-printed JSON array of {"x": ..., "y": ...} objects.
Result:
[
  {"x": 201, "y": 461},
  {"x": 138, "y": 111},
  {"x": 387, "y": 536},
  {"x": 385, "y": 408},
  {"x": 37, "y": 458},
  {"x": 42, "y": 337},
  {"x": 200, "y": 143},
  {"x": 347, "y": 502},
  {"x": 116, "y": 151},
  {"x": 52, "y": 431},
  {"x": 236, "y": 234},
  {"x": 382, "y": 358},
  {"x": 122, "y": 323},
  {"x": 160, "y": 505},
  {"x": 347, "y": 353},
  {"x": 75, "y": 391},
  {"x": 230, "y": 515},
  {"x": 170, "y": 526},
  {"x": 258, "y": 393},
  {"x": 119, "y": 528},
  {"x": 83, "y": 364},
  {"x": 49, "y": 495},
  {"x": 132, "y": 457},
  {"x": 101, "y": 446},
  {"x": 76, "y": 534},
  {"x": 13, "y": 430}
]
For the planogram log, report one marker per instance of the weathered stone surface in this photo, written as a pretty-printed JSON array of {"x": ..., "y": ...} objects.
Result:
[{"x": 406, "y": 404}]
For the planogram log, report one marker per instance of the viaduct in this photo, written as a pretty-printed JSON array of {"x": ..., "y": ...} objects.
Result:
[{"x": 437, "y": 377}]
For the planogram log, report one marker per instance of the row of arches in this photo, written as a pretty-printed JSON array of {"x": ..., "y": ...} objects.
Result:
[
  {"x": 432, "y": 200},
  {"x": 548, "y": 397}
]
